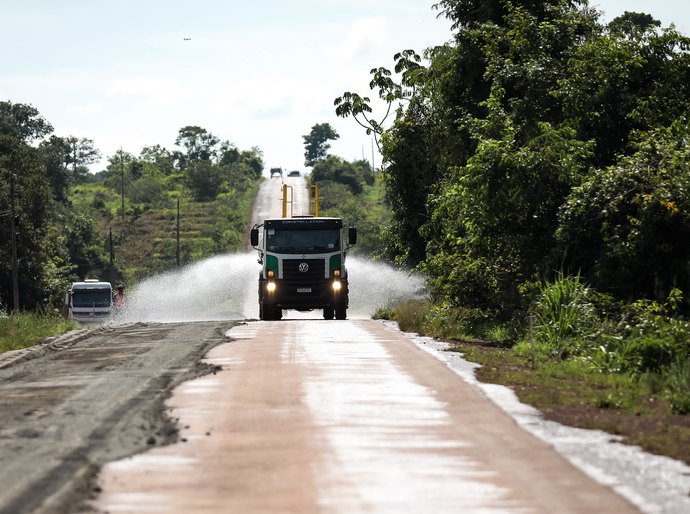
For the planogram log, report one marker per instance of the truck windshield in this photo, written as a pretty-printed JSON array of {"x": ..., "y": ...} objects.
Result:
[
  {"x": 91, "y": 298},
  {"x": 303, "y": 241}
]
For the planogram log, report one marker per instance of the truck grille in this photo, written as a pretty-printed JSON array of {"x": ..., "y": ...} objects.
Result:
[{"x": 316, "y": 272}]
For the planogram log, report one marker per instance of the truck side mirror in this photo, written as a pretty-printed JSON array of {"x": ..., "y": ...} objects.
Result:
[
  {"x": 254, "y": 237},
  {"x": 352, "y": 236}
]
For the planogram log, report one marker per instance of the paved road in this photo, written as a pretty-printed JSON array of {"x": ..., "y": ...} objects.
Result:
[{"x": 313, "y": 416}]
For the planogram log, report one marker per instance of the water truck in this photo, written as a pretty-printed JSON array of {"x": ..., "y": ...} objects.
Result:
[
  {"x": 302, "y": 265},
  {"x": 90, "y": 301}
]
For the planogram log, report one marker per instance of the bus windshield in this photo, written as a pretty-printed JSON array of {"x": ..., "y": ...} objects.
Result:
[
  {"x": 91, "y": 298},
  {"x": 303, "y": 241}
]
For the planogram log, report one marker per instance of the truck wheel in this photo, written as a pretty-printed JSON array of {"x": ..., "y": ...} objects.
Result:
[
  {"x": 340, "y": 312},
  {"x": 267, "y": 311},
  {"x": 328, "y": 313}
]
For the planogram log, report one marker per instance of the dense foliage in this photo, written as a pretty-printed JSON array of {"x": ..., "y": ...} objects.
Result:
[
  {"x": 538, "y": 169},
  {"x": 65, "y": 216},
  {"x": 351, "y": 191},
  {"x": 538, "y": 141}
]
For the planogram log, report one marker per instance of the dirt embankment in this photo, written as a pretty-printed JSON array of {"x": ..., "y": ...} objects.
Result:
[{"x": 71, "y": 405}]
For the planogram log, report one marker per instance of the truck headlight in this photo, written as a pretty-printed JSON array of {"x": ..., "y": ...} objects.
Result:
[
  {"x": 336, "y": 273},
  {"x": 271, "y": 273},
  {"x": 337, "y": 285},
  {"x": 270, "y": 287}
]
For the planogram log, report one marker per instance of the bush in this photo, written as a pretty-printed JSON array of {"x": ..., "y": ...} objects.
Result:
[
  {"x": 561, "y": 314},
  {"x": 678, "y": 386},
  {"x": 411, "y": 316}
]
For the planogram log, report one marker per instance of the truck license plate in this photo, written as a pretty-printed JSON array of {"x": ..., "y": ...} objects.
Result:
[{"x": 304, "y": 289}]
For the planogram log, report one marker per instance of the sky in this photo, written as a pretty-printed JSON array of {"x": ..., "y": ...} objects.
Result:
[{"x": 130, "y": 74}]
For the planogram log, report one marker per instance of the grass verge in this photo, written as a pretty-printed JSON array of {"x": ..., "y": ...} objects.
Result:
[
  {"x": 575, "y": 391},
  {"x": 22, "y": 330}
]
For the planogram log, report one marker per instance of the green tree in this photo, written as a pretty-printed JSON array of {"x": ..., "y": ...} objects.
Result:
[
  {"x": 627, "y": 227},
  {"x": 316, "y": 143},
  {"x": 335, "y": 169},
  {"x": 633, "y": 24},
  {"x": 19, "y": 126},
  {"x": 81, "y": 154},
  {"x": 22, "y": 122},
  {"x": 161, "y": 158},
  {"x": 199, "y": 144},
  {"x": 205, "y": 180},
  {"x": 55, "y": 151},
  {"x": 254, "y": 159}
]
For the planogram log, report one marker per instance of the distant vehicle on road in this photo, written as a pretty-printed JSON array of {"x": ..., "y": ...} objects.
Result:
[
  {"x": 276, "y": 172},
  {"x": 293, "y": 173},
  {"x": 90, "y": 301}
]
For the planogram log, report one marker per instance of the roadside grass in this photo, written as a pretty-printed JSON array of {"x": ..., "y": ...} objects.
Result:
[
  {"x": 22, "y": 330},
  {"x": 571, "y": 392},
  {"x": 576, "y": 365}
]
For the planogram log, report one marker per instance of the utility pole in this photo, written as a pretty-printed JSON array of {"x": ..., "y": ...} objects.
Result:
[
  {"x": 122, "y": 186},
  {"x": 15, "y": 266},
  {"x": 112, "y": 257},
  {"x": 373, "y": 169},
  {"x": 177, "y": 252}
]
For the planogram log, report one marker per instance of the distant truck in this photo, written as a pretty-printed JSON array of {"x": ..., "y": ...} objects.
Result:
[
  {"x": 90, "y": 301},
  {"x": 303, "y": 265}
]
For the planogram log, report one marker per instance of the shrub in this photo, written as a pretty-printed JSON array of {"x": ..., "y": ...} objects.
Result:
[
  {"x": 411, "y": 316},
  {"x": 678, "y": 386},
  {"x": 561, "y": 314}
]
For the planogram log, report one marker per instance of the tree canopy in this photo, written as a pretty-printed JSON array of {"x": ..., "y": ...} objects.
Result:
[
  {"x": 316, "y": 143},
  {"x": 539, "y": 140}
]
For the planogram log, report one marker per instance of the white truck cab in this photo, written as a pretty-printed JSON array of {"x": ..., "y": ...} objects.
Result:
[{"x": 90, "y": 301}]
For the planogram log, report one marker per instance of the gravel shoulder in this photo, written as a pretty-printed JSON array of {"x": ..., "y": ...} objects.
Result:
[{"x": 75, "y": 402}]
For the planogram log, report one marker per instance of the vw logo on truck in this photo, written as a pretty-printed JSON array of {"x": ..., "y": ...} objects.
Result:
[{"x": 304, "y": 267}]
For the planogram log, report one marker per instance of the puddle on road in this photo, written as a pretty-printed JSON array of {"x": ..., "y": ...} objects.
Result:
[{"x": 225, "y": 287}]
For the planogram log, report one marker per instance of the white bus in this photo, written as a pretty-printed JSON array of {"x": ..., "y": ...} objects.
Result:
[{"x": 90, "y": 301}]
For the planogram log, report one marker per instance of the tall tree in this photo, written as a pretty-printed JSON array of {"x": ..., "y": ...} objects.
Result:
[
  {"x": 316, "y": 143},
  {"x": 23, "y": 165},
  {"x": 22, "y": 122},
  {"x": 198, "y": 142},
  {"x": 55, "y": 152},
  {"x": 82, "y": 153}
]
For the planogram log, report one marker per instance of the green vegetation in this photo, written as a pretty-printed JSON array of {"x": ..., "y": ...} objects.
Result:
[
  {"x": 350, "y": 190},
  {"x": 537, "y": 140},
  {"x": 121, "y": 223},
  {"x": 537, "y": 172},
  {"x": 585, "y": 360},
  {"x": 26, "y": 329}
]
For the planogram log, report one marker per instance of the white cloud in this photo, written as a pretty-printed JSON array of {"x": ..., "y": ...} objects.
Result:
[
  {"x": 154, "y": 92},
  {"x": 87, "y": 108},
  {"x": 367, "y": 35}
]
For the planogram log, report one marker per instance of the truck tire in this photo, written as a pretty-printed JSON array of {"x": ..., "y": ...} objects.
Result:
[
  {"x": 266, "y": 311},
  {"x": 340, "y": 312},
  {"x": 328, "y": 313}
]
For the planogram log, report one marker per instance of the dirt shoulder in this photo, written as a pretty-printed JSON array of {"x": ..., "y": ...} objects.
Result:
[
  {"x": 572, "y": 397},
  {"x": 77, "y": 402}
]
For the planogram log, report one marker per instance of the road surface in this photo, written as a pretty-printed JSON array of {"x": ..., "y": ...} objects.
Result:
[
  {"x": 313, "y": 416},
  {"x": 297, "y": 416}
]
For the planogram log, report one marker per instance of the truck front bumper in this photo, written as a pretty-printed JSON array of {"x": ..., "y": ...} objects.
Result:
[{"x": 315, "y": 295}]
